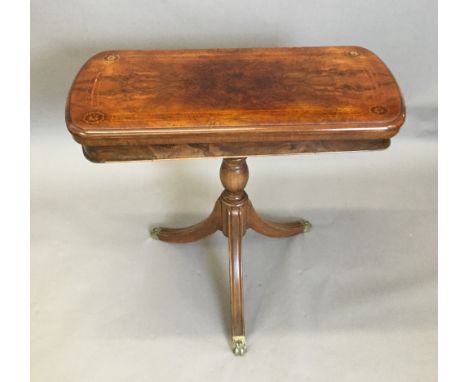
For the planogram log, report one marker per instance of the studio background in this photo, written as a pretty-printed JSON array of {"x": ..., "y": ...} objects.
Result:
[{"x": 353, "y": 300}]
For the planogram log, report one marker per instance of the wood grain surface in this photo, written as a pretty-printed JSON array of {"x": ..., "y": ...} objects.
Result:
[
  {"x": 232, "y": 103},
  {"x": 233, "y": 95},
  {"x": 233, "y": 214},
  {"x": 102, "y": 154}
]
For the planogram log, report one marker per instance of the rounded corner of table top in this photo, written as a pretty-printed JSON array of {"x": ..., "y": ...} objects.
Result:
[
  {"x": 79, "y": 134},
  {"x": 194, "y": 96}
]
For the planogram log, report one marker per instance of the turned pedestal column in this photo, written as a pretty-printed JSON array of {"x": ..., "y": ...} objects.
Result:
[
  {"x": 233, "y": 214},
  {"x": 127, "y": 105}
]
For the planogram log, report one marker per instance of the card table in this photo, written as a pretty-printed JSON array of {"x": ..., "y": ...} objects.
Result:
[{"x": 128, "y": 105}]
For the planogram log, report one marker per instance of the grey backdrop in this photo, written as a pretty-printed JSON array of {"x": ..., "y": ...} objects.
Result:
[
  {"x": 65, "y": 33},
  {"x": 354, "y": 300}
]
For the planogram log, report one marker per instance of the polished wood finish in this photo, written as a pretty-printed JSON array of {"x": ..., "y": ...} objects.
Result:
[
  {"x": 273, "y": 229},
  {"x": 101, "y": 154},
  {"x": 232, "y": 103},
  {"x": 233, "y": 214},
  {"x": 233, "y": 96},
  {"x": 195, "y": 232}
]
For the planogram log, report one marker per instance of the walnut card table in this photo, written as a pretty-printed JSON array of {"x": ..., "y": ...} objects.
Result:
[{"x": 232, "y": 103}]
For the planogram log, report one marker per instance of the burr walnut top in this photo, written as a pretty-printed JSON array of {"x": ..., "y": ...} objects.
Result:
[{"x": 233, "y": 95}]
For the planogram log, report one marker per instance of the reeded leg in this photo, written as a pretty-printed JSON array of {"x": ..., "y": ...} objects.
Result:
[
  {"x": 272, "y": 229},
  {"x": 234, "y": 233},
  {"x": 234, "y": 207},
  {"x": 233, "y": 214},
  {"x": 193, "y": 233}
]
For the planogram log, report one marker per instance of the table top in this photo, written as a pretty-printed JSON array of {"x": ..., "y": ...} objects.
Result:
[{"x": 233, "y": 95}]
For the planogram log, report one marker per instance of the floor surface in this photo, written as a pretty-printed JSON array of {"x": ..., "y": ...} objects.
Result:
[{"x": 355, "y": 299}]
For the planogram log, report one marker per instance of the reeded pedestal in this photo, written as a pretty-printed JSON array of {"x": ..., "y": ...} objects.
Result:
[
  {"x": 127, "y": 105},
  {"x": 233, "y": 214}
]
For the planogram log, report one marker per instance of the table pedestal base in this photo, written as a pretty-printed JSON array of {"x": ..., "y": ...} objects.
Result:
[{"x": 233, "y": 214}]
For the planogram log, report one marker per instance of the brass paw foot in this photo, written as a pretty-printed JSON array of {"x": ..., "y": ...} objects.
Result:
[
  {"x": 155, "y": 233},
  {"x": 307, "y": 226},
  {"x": 239, "y": 346}
]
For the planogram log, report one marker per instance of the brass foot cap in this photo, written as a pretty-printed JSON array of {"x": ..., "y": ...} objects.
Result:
[
  {"x": 155, "y": 233},
  {"x": 307, "y": 226},
  {"x": 239, "y": 345}
]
